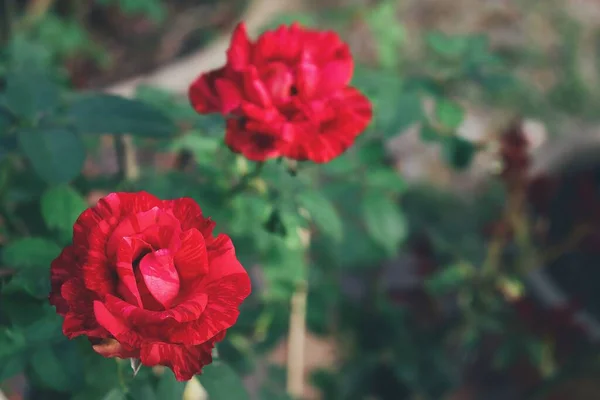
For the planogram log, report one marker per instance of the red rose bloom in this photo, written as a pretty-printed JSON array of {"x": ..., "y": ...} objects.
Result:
[
  {"x": 145, "y": 278},
  {"x": 287, "y": 94}
]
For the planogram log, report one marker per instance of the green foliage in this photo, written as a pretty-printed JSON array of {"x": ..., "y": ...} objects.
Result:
[
  {"x": 153, "y": 9},
  {"x": 30, "y": 253},
  {"x": 61, "y": 205},
  {"x": 222, "y": 383},
  {"x": 103, "y": 113},
  {"x": 56, "y": 154},
  {"x": 322, "y": 213},
  {"x": 384, "y": 221}
]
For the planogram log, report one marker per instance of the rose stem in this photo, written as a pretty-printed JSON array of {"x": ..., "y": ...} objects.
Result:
[
  {"x": 126, "y": 158},
  {"x": 297, "y": 332}
]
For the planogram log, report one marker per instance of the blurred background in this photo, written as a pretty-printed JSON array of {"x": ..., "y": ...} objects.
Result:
[{"x": 453, "y": 251}]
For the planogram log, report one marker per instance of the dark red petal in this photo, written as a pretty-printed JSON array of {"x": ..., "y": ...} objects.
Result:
[
  {"x": 226, "y": 285},
  {"x": 115, "y": 326},
  {"x": 308, "y": 79},
  {"x": 80, "y": 318},
  {"x": 144, "y": 221},
  {"x": 240, "y": 48},
  {"x": 62, "y": 269},
  {"x": 335, "y": 75},
  {"x": 160, "y": 275},
  {"x": 254, "y": 89},
  {"x": 278, "y": 80},
  {"x": 185, "y": 361},
  {"x": 283, "y": 44},
  {"x": 254, "y": 145},
  {"x": 229, "y": 95},
  {"x": 345, "y": 117},
  {"x": 191, "y": 260},
  {"x": 129, "y": 249},
  {"x": 203, "y": 94},
  {"x": 92, "y": 229},
  {"x": 188, "y": 310}
]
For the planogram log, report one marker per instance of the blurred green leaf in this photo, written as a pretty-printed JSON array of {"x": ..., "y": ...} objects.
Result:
[
  {"x": 386, "y": 179},
  {"x": 448, "y": 113},
  {"x": 115, "y": 394},
  {"x": 28, "y": 94},
  {"x": 222, "y": 383},
  {"x": 32, "y": 252},
  {"x": 11, "y": 365},
  {"x": 389, "y": 33},
  {"x": 384, "y": 221},
  {"x": 449, "y": 279},
  {"x": 104, "y": 113},
  {"x": 168, "y": 387},
  {"x": 56, "y": 154},
  {"x": 61, "y": 205},
  {"x": 405, "y": 110},
  {"x": 429, "y": 133},
  {"x": 448, "y": 46},
  {"x": 322, "y": 213},
  {"x": 58, "y": 368},
  {"x": 459, "y": 152}
]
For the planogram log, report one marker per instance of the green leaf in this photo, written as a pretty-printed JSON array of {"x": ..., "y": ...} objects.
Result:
[
  {"x": 385, "y": 222},
  {"x": 458, "y": 151},
  {"x": 29, "y": 281},
  {"x": 386, "y": 179},
  {"x": 59, "y": 368},
  {"x": 395, "y": 113},
  {"x": 115, "y": 394},
  {"x": 389, "y": 34},
  {"x": 56, "y": 154},
  {"x": 322, "y": 213},
  {"x": 168, "y": 387},
  {"x": 103, "y": 113},
  {"x": 429, "y": 133},
  {"x": 222, "y": 383},
  {"x": 61, "y": 205},
  {"x": 448, "y": 113},
  {"x": 449, "y": 46},
  {"x": 32, "y": 252},
  {"x": 30, "y": 93},
  {"x": 12, "y": 365},
  {"x": 449, "y": 279}
]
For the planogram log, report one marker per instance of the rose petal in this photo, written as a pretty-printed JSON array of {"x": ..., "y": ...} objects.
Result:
[
  {"x": 350, "y": 113},
  {"x": 191, "y": 260},
  {"x": 185, "y": 361},
  {"x": 202, "y": 93},
  {"x": 134, "y": 224},
  {"x": 227, "y": 285},
  {"x": 254, "y": 145},
  {"x": 238, "y": 54},
  {"x": 254, "y": 90},
  {"x": 160, "y": 275},
  {"x": 189, "y": 309},
  {"x": 229, "y": 95}
]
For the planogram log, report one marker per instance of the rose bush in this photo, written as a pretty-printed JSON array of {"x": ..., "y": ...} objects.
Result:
[
  {"x": 146, "y": 278},
  {"x": 286, "y": 95}
]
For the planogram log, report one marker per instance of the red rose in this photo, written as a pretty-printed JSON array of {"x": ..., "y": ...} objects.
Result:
[
  {"x": 145, "y": 278},
  {"x": 287, "y": 94}
]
